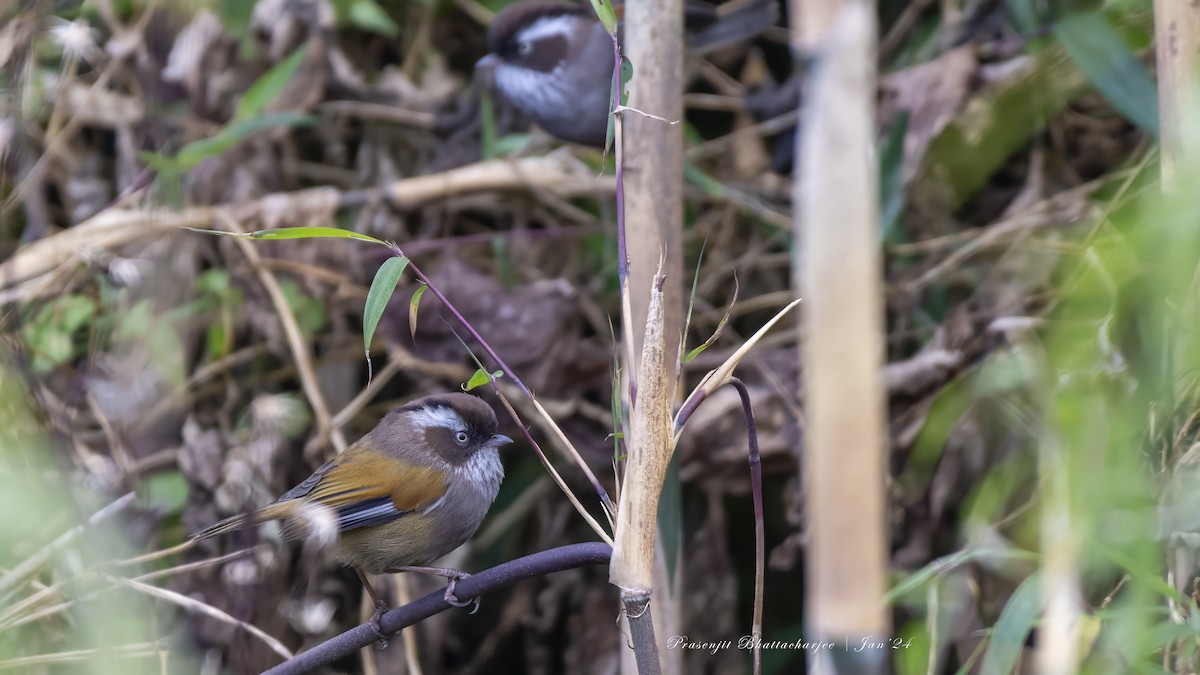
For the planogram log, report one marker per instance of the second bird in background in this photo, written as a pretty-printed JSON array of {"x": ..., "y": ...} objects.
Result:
[{"x": 554, "y": 60}]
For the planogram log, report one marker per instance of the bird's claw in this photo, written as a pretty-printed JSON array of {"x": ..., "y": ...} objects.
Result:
[
  {"x": 453, "y": 600},
  {"x": 376, "y": 628}
]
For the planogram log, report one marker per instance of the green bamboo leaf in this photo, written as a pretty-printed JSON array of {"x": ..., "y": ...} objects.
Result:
[
  {"x": 412, "y": 308},
  {"x": 480, "y": 378},
  {"x": 294, "y": 233},
  {"x": 1025, "y": 15},
  {"x": 720, "y": 325},
  {"x": 1013, "y": 626},
  {"x": 891, "y": 179},
  {"x": 687, "y": 321},
  {"x": 368, "y": 15},
  {"x": 195, "y": 152},
  {"x": 948, "y": 563},
  {"x": 268, "y": 86},
  {"x": 487, "y": 126},
  {"x": 607, "y": 14},
  {"x": 1111, "y": 66},
  {"x": 312, "y": 233},
  {"x": 381, "y": 291}
]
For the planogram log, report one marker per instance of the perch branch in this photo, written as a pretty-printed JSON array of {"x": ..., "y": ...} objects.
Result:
[{"x": 487, "y": 581}]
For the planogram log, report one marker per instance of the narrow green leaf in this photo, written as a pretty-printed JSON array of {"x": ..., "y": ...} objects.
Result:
[
  {"x": 159, "y": 162},
  {"x": 413, "y": 304},
  {"x": 947, "y": 563},
  {"x": 480, "y": 378},
  {"x": 1025, "y": 15},
  {"x": 368, "y": 15},
  {"x": 891, "y": 179},
  {"x": 195, "y": 152},
  {"x": 687, "y": 321},
  {"x": 381, "y": 291},
  {"x": 293, "y": 233},
  {"x": 478, "y": 363},
  {"x": 268, "y": 86},
  {"x": 504, "y": 262},
  {"x": 312, "y": 233},
  {"x": 1013, "y": 626},
  {"x": 720, "y": 325},
  {"x": 607, "y": 15},
  {"x": 1111, "y": 66},
  {"x": 487, "y": 126}
]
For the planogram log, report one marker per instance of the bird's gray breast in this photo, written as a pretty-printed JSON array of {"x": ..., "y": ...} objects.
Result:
[{"x": 472, "y": 490}]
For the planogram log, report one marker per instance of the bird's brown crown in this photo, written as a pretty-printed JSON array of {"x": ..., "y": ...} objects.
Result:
[{"x": 455, "y": 425}]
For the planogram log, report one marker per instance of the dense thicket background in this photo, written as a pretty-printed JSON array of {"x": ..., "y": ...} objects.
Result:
[{"x": 1040, "y": 343}]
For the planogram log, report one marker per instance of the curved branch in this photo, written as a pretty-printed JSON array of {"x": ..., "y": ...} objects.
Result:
[
  {"x": 500, "y": 576},
  {"x": 760, "y": 553}
]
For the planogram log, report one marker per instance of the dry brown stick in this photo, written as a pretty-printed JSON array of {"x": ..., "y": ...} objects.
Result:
[
  {"x": 557, "y": 174},
  {"x": 295, "y": 339},
  {"x": 193, "y": 605}
]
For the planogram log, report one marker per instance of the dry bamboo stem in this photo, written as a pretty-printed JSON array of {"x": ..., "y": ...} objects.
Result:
[
  {"x": 112, "y": 228},
  {"x": 651, "y": 441},
  {"x": 653, "y": 179},
  {"x": 1177, "y": 38},
  {"x": 653, "y": 192},
  {"x": 844, "y": 450}
]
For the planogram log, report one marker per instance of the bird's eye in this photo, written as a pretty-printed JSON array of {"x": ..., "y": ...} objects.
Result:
[
  {"x": 524, "y": 48},
  {"x": 461, "y": 437}
]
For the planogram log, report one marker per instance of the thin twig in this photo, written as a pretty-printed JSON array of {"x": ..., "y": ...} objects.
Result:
[
  {"x": 558, "y": 480},
  {"x": 122, "y": 651},
  {"x": 511, "y": 374},
  {"x": 295, "y": 339},
  {"x": 33, "y": 563},
  {"x": 193, "y": 605},
  {"x": 760, "y": 554}
]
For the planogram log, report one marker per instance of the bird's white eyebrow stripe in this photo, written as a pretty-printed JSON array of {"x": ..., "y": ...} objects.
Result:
[
  {"x": 436, "y": 416},
  {"x": 549, "y": 26}
]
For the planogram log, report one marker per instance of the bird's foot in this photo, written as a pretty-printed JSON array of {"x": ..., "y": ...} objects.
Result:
[
  {"x": 453, "y": 600},
  {"x": 373, "y": 623}
]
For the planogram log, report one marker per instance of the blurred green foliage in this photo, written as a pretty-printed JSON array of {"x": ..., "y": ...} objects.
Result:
[{"x": 87, "y": 626}]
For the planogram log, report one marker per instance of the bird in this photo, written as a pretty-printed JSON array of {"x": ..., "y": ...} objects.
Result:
[
  {"x": 411, "y": 490},
  {"x": 554, "y": 60}
]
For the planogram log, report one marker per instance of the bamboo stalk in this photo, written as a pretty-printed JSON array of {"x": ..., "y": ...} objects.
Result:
[
  {"x": 839, "y": 272},
  {"x": 651, "y": 442},
  {"x": 652, "y": 183},
  {"x": 1177, "y": 38}
]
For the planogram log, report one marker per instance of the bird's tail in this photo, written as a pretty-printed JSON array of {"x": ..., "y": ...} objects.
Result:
[
  {"x": 738, "y": 25},
  {"x": 243, "y": 520}
]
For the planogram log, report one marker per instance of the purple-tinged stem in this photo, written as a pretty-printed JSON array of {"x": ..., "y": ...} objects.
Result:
[
  {"x": 622, "y": 253},
  {"x": 622, "y": 250},
  {"x": 605, "y": 500},
  {"x": 466, "y": 324},
  {"x": 760, "y": 553},
  {"x": 689, "y": 408},
  {"x": 600, "y": 491}
]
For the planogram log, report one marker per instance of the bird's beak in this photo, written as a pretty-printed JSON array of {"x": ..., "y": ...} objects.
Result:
[
  {"x": 498, "y": 440},
  {"x": 485, "y": 68}
]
